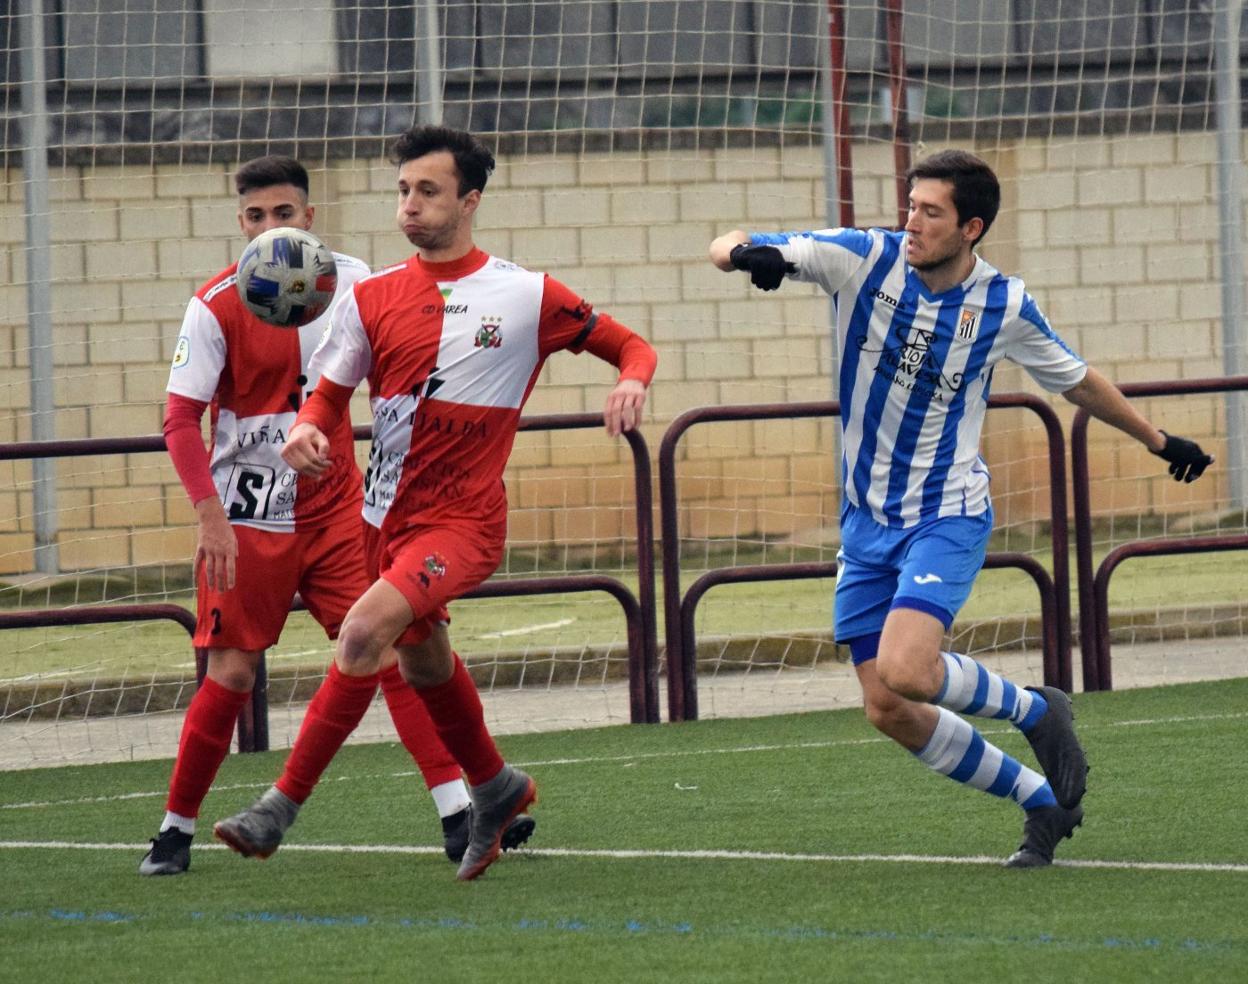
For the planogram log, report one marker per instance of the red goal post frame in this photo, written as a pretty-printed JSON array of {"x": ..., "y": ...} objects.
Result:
[{"x": 679, "y": 608}]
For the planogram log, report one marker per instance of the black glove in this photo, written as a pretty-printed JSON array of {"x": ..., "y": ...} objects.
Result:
[
  {"x": 766, "y": 264},
  {"x": 1187, "y": 461}
]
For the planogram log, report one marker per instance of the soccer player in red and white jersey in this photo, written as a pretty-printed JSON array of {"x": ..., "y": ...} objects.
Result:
[
  {"x": 451, "y": 343},
  {"x": 264, "y": 532}
]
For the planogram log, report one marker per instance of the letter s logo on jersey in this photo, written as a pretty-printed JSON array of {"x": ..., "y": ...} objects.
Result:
[{"x": 182, "y": 354}]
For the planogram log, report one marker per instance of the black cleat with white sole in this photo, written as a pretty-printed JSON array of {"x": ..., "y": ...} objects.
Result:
[{"x": 1044, "y": 828}]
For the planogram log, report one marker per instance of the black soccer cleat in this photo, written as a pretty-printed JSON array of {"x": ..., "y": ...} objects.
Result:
[
  {"x": 1057, "y": 748},
  {"x": 1044, "y": 828},
  {"x": 170, "y": 854},
  {"x": 457, "y": 828},
  {"x": 518, "y": 831}
]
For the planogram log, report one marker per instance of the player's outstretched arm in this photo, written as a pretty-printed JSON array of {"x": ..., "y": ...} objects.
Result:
[
  {"x": 1105, "y": 401},
  {"x": 722, "y": 247},
  {"x": 765, "y": 264},
  {"x": 307, "y": 450}
]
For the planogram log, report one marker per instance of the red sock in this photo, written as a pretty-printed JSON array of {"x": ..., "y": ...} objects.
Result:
[
  {"x": 335, "y": 711},
  {"x": 205, "y": 742},
  {"x": 416, "y": 730},
  {"x": 455, "y": 707}
]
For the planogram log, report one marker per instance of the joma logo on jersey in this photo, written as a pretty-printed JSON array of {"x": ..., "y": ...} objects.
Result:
[
  {"x": 490, "y": 335},
  {"x": 887, "y": 299}
]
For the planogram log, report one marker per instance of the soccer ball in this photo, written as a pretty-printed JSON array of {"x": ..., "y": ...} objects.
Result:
[{"x": 287, "y": 277}]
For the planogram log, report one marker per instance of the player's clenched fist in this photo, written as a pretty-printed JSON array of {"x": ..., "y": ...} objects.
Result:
[{"x": 307, "y": 450}]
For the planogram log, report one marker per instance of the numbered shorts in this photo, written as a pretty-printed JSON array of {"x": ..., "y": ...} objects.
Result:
[
  {"x": 930, "y": 567},
  {"x": 325, "y": 566},
  {"x": 433, "y": 565}
]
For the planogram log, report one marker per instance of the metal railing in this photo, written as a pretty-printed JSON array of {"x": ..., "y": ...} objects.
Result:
[
  {"x": 1093, "y": 586},
  {"x": 679, "y": 609},
  {"x": 638, "y": 610}
]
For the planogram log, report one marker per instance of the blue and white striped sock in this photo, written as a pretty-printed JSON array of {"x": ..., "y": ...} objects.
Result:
[
  {"x": 970, "y": 688},
  {"x": 959, "y": 751}
]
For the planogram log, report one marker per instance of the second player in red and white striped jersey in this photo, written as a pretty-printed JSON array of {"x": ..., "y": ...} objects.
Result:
[
  {"x": 451, "y": 352},
  {"x": 256, "y": 376}
]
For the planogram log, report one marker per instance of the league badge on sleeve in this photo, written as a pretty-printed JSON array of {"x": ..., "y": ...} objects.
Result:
[{"x": 182, "y": 354}]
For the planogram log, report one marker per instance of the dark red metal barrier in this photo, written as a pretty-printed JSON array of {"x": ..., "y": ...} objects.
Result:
[
  {"x": 253, "y": 730},
  {"x": 1143, "y": 548},
  {"x": 679, "y": 609},
  {"x": 1094, "y": 587}
]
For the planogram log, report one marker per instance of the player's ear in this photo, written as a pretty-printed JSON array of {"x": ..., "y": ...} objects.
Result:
[
  {"x": 308, "y": 212},
  {"x": 973, "y": 229},
  {"x": 471, "y": 201}
]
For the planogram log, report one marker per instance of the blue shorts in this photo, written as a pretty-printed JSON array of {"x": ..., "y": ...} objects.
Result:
[{"x": 930, "y": 567}]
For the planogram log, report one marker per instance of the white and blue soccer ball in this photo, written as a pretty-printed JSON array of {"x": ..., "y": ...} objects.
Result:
[{"x": 287, "y": 277}]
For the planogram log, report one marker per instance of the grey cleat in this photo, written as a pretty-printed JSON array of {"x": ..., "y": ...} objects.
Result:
[
  {"x": 258, "y": 830},
  {"x": 170, "y": 854},
  {"x": 495, "y": 804},
  {"x": 1058, "y": 750},
  {"x": 1043, "y": 830},
  {"x": 457, "y": 828}
]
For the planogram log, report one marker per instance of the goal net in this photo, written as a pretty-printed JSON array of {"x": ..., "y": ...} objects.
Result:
[{"x": 628, "y": 133}]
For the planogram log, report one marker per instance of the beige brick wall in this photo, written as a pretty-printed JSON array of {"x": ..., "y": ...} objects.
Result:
[{"x": 1117, "y": 240}]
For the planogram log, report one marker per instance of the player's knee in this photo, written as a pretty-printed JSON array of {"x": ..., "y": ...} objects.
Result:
[
  {"x": 884, "y": 715},
  {"x": 233, "y": 669},
  {"x": 359, "y": 651},
  {"x": 428, "y": 664},
  {"x": 907, "y": 674}
]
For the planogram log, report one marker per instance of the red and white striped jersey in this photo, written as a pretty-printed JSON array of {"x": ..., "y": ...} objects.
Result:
[
  {"x": 256, "y": 376},
  {"x": 451, "y": 352}
]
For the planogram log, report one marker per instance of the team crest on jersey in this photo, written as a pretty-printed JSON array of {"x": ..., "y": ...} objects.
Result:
[
  {"x": 435, "y": 564},
  {"x": 967, "y": 325},
  {"x": 490, "y": 335},
  {"x": 182, "y": 354}
]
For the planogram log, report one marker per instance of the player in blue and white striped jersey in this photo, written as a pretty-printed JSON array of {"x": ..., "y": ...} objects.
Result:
[{"x": 921, "y": 322}]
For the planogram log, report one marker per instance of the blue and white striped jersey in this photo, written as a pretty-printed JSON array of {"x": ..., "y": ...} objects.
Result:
[{"x": 916, "y": 368}]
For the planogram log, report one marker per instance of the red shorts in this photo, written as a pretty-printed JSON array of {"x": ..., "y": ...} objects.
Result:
[
  {"x": 433, "y": 565},
  {"x": 325, "y": 566}
]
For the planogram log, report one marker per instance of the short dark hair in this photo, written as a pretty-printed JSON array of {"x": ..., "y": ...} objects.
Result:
[
  {"x": 976, "y": 191},
  {"x": 264, "y": 172},
  {"x": 473, "y": 159}
]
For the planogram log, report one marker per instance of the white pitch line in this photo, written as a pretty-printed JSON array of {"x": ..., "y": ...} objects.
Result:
[
  {"x": 526, "y": 629},
  {"x": 635, "y": 757},
  {"x": 641, "y": 855}
]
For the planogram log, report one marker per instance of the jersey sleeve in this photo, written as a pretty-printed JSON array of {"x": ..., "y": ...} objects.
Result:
[
  {"x": 1035, "y": 346},
  {"x": 570, "y": 322},
  {"x": 199, "y": 358},
  {"x": 566, "y": 320},
  {"x": 186, "y": 446},
  {"x": 344, "y": 355},
  {"x": 828, "y": 258}
]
